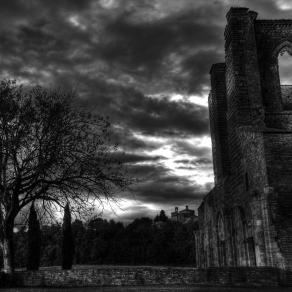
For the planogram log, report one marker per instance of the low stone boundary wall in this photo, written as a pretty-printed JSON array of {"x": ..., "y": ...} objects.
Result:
[
  {"x": 107, "y": 276},
  {"x": 135, "y": 276},
  {"x": 246, "y": 276}
]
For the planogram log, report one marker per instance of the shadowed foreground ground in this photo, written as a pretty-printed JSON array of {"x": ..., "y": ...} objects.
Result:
[{"x": 149, "y": 288}]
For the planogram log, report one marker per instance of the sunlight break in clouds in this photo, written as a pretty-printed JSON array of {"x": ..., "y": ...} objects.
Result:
[
  {"x": 74, "y": 20},
  {"x": 195, "y": 99},
  {"x": 284, "y": 4},
  {"x": 108, "y": 4},
  {"x": 198, "y": 175},
  {"x": 123, "y": 211}
]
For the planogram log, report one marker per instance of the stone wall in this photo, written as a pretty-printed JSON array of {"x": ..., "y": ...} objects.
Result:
[
  {"x": 245, "y": 220},
  {"x": 247, "y": 276},
  {"x": 279, "y": 168},
  {"x": 273, "y": 37},
  {"x": 218, "y": 125},
  {"x": 286, "y": 92},
  {"x": 107, "y": 276},
  {"x": 163, "y": 276}
]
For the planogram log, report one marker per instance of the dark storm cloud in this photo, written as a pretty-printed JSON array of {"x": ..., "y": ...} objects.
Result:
[
  {"x": 42, "y": 33},
  {"x": 147, "y": 172},
  {"x": 148, "y": 115},
  {"x": 195, "y": 162},
  {"x": 12, "y": 10},
  {"x": 135, "y": 158},
  {"x": 144, "y": 48},
  {"x": 169, "y": 189},
  {"x": 196, "y": 64},
  {"x": 121, "y": 57},
  {"x": 177, "y": 48},
  {"x": 146, "y": 44},
  {"x": 156, "y": 184},
  {"x": 162, "y": 117},
  {"x": 127, "y": 141},
  {"x": 183, "y": 147}
]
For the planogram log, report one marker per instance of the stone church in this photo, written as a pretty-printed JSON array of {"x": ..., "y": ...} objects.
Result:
[{"x": 246, "y": 219}]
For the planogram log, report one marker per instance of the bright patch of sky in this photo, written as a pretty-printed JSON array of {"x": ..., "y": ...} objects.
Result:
[
  {"x": 196, "y": 99},
  {"x": 75, "y": 21},
  {"x": 285, "y": 68},
  {"x": 108, "y": 4},
  {"x": 284, "y": 4},
  {"x": 167, "y": 150},
  {"x": 199, "y": 175},
  {"x": 201, "y": 100},
  {"x": 125, "y": 207}
]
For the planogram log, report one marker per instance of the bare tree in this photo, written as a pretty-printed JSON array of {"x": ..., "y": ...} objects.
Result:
[{"x": 51, "y": 153}]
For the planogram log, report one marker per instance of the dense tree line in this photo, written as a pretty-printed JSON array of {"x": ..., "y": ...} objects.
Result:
[{"x": 142, "y": 242}]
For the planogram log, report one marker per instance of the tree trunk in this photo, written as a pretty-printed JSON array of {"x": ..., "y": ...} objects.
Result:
[{"x": 8, "y": 251}]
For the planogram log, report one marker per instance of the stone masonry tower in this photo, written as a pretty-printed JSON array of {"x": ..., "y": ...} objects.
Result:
[{"x": 246, "y": 220}]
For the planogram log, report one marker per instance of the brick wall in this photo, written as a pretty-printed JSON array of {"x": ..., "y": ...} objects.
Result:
[
  {"x": 286, "y": 92},
  {"x": 279, "y": 168},
  {"x": 135, "y": 276},
  {"x": 218, "y": 124},
  {"x": 251, "y": 125},
  {"x": 107, "y": 276},
  {"x": 272, "y": 36}
]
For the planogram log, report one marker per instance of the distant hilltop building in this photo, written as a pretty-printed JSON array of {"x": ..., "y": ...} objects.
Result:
[
  {"x": 184, "y": 216},
  {"x": 246, "y": 219}
]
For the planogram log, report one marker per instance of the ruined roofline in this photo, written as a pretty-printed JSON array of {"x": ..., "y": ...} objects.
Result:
[
  {"x": 218, "y": 67},
  {"x": 239, "y": 11}
]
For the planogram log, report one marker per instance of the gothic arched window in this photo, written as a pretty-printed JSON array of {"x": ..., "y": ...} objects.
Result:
[
  {"x": 285, "y": 76},
  {"x": 221, "y": 245}
]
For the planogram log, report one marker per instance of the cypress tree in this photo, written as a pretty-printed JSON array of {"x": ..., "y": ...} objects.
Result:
[
  {"x": 67, "y": 240},
  {"x": 34, "y": 241}
]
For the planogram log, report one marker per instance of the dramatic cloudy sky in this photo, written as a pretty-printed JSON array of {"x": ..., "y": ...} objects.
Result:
[{"x": 145, "y": 64}]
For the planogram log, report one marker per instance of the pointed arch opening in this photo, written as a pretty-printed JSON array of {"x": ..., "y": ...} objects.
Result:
[
  {"x": 285, "y": 75},
  {"x": 221, "y": 244}
]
